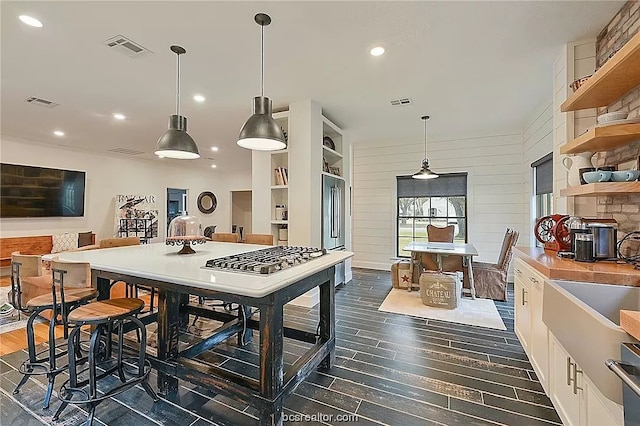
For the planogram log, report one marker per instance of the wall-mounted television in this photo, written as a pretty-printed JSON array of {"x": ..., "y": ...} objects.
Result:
[{"x": 29, "y": 191}]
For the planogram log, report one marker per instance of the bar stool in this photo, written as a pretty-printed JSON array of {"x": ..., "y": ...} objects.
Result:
[
  {"x": 105, "y": 316},
  {"x": 60, "y": 302}
]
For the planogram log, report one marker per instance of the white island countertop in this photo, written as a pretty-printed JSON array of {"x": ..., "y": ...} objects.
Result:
[{"x": 161, "y": 262}]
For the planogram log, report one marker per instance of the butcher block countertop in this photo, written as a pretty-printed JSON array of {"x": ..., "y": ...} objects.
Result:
[{"x": 551, "y": 266}]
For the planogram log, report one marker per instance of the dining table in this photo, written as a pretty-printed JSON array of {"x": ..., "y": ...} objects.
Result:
[
  {"x": 178, "y": 277},
  {"x": 440, "y": 250}
]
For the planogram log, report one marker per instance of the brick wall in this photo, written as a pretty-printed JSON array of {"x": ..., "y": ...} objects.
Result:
[{"x": 625, "y": 209}]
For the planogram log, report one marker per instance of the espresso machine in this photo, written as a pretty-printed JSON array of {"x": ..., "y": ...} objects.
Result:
[{"x": 592, "y": 239}]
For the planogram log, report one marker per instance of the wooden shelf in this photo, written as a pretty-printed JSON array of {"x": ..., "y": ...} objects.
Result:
[
  {"x": 279, "y": 222},
  {"x": 603, "y": 138},
  {"x": 602, "y": 188},
  {"x": 617, "y": 76}
]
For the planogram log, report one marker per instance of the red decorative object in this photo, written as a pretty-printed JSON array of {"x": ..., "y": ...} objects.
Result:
[
  {"x": 562, "y": 234},
  {"x": 545, "y": 232}
]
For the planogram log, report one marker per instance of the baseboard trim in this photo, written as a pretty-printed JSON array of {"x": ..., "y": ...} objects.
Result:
[{"x": 372, "y": 265}]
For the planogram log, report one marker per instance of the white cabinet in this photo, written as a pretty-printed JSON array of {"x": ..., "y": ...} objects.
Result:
[
  {"x": 539, "y": 342},
  {"x": 532, "y": 332},
  {"x": 563, "y": 387},
  {"x": 522, "y": 289},
  {"x": 576, "y": 399}
]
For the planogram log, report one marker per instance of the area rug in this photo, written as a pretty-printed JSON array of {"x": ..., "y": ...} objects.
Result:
[
  {"x": 12, "y": 321},
  {"x": 478, "y": 312}
]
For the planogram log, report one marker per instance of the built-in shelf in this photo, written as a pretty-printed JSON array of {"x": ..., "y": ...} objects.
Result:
[
  {"x": 279, "y": 222},
  {"x": 603, "y": 138},
  {"x": 331, "y": 154},
  {"x": 279, "y": 186},
  {"x": 332, "y": 175},
  {"x": 616, "y": 77},
  {"x": 602, "y": 188}
]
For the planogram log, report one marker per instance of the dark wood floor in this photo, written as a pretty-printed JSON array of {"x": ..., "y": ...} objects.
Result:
[{"x": 390, "y": 369}]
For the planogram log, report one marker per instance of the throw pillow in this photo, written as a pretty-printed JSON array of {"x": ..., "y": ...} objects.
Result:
[
  {"x": 84, "y": 238},
  {"x": 64, "y": 242}
]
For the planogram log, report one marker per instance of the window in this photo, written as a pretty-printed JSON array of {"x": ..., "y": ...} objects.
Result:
[
  {"x": 543, "y": 186},
  {"x": 440, "y": 202}
]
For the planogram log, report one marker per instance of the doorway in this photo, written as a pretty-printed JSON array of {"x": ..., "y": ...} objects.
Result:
[
  {"x": 241, "y": 210},
  {"x": 175, "y": 203}
]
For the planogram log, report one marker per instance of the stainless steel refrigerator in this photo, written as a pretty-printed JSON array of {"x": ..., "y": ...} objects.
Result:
[{"x": 332, "y": 213}]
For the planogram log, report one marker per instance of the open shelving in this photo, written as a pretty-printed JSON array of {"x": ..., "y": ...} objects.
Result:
[
  {"x": 332, "y": 158},
  {"x": 603, "y": 138},
  {"x": 602, "y": 188},
  {"x": 616, "y": 77}
]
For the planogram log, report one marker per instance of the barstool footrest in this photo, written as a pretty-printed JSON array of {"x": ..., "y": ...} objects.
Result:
[{"x": 66, "y": 393}]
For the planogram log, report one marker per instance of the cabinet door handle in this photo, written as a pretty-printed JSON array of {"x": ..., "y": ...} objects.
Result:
[
  {"x": 524, "y": 293},
  {"x": 576, "y": 371},
  {"x": 569, "y": 364},
  {"x": 518, "y": 271},
  {"x": 533, "y": 280}
]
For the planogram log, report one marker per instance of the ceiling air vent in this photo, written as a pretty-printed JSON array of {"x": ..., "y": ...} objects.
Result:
[
  {"x": 41, "y": 102},
  {"x": 126, "y": 46},
  {"x": 401, "y": 102},
  {"x": 126, "y": 151}
]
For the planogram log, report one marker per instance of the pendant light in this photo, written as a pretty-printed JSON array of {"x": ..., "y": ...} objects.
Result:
[
  {"x": 261, "y": 132},
  {"x": 425, "y": 172},
  {"x": 176, "y": 142}
]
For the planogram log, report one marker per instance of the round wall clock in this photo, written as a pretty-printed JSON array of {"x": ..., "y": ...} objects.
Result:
[{"x": 207, "y": 202}]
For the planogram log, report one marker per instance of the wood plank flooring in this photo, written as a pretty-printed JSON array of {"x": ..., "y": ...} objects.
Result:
[{"x": 390, "y": 369}]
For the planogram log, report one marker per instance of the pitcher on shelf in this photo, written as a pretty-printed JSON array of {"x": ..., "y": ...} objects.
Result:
[{"x": 574, "y": 164}]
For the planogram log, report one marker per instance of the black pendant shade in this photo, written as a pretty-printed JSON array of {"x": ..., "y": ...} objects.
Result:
[
  {"x": 261, "y": 132},
  {"x": 425, "y": 172},
  {"x": 176, "y": 142}
]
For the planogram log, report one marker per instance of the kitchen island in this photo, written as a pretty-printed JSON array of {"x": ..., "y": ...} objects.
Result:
[{"x": 178, "y": 276}]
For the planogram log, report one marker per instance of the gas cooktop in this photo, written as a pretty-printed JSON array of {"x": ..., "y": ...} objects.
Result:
[{"x": 267, "y": 260}]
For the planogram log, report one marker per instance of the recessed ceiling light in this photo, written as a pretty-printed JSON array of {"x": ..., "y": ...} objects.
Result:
[
  {"x": 214, "y": 148},
  {"x": 30, "y": 21},
  {"x": 118, "y": 116},
  {"x": 58, "y": 133},
  {"x": 213, "y": 166},
  {"x": 198, "y": 98},
  {"x": 377, "y": 51}
]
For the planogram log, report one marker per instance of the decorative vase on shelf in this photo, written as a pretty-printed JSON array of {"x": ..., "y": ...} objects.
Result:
[{"x": 574, "y": 164}]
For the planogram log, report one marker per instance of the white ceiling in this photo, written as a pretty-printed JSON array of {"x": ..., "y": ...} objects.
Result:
[{"x": 477, "y": 68}]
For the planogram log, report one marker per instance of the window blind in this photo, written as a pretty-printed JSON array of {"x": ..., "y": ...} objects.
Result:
[
  {"x": 447, "y": 185},
  {"x": 544, "y": 174}
]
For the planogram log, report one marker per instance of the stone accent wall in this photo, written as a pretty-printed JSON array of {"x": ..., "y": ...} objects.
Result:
[{"x": 625, "y": 209}]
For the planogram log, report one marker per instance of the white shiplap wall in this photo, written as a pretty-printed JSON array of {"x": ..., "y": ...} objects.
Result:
[
  {"x": 494, "y": 165},
  {"x": 537, "y": 142}
]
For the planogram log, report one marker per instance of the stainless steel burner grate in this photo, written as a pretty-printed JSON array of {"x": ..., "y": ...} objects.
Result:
[{"x": 266, "y": 261}]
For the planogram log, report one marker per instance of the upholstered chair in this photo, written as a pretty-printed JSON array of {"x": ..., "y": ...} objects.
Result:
[
  {"x": 436, "y": 234},
  {"x": 225, "y": 237},
  {"x": 490, "y": 279},
  {"x": 264, "y": 239}
]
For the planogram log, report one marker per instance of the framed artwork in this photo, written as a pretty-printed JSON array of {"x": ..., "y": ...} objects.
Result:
[{"x": 136, "y": 216}]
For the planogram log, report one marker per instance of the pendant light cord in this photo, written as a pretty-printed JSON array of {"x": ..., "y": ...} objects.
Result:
[
  {"x": 425, "y": 139},
  {"x": 178, "y": 86},
  {"x": 262, "y": 60}
]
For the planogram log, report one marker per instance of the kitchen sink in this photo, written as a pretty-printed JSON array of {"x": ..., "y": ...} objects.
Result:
[{"x": 585, "y": 318}]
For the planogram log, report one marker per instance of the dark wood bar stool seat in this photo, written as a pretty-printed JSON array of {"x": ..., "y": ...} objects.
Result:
[
  {"x": 61, "y": 301},
  {"x": 105, "y": 316}
]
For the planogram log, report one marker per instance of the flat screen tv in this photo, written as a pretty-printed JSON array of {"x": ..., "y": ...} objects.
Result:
[{"x": 29, "y": 191}]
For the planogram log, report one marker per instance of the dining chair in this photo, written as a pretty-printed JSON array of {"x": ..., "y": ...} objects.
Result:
[
  {"x": 436, "y": 234},
  {"x": 491, "y": 278},
  {"x": 264, "y": 239},
  {"x": 225, "y": 237}
]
